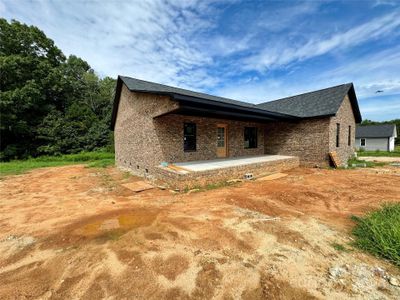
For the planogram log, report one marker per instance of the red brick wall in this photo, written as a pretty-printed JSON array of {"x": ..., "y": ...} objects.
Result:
[
  {"x": 345, "y": 118},
  {"x": 307, "y": 139},
  {"x": 312, "y": 139}
]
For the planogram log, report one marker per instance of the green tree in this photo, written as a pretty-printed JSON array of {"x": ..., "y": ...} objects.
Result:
[
  {"x": 27, "y": 61},
  {"x": 49, "y": 104}
]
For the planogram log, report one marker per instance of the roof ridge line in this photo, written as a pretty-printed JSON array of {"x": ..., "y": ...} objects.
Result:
[
  {"x": 192, "y": 91},
  {"x": 327, "y": 88}
]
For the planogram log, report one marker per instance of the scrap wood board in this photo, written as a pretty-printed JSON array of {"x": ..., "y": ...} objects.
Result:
[
  {"x": 138, "y": 186},
  {"x": 178, "y": 168},
  {"x": 272, "y": 177},
  {"x": 334, "y": 158}
]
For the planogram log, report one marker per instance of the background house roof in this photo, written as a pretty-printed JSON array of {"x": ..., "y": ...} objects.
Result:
[
  {"x": 376, "y": 131},
  {"x": 325, "y": 102}
]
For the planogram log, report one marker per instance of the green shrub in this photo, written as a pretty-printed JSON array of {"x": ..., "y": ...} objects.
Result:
[
  {"x": 378, "y": 232},
  {"x": 369, "y": 164},
  {"x": 339, "y": 247}
]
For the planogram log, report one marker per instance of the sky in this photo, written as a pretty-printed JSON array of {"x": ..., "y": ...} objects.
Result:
[{"x": 253, "y": 51}]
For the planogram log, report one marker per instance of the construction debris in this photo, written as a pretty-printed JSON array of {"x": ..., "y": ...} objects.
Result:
[
  {"x": 138, "y": 186},
  {"x": 272, "y": 177}
]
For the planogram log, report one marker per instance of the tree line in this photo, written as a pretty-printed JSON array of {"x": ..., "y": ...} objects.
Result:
[{"x": 50, "y": 104}]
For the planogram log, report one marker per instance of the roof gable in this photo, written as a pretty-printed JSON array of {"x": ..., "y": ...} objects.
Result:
[
  {"x": 376, "y": 131},
  {"x": 320, "y": 103}
]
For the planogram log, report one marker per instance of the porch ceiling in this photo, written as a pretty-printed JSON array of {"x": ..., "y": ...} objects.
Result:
[{"x": 189, "y": 108}]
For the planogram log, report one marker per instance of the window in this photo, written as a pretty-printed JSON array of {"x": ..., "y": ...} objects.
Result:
[
  {"x": 363, "y": 142},
  {"x": 189, "y": 137},
  {"x": 349, "y": 141},
  {"x": 337, "y": 134},
  {"x": 220, "y": 137},
  {"x": 250, "y": 137}
]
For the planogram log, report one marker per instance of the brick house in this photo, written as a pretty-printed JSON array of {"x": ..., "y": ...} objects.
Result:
[{"x": 157, "y": 126}]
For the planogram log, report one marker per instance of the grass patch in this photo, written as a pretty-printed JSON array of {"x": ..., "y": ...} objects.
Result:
[
  {"x": 378, "y": 232},
  {"x": 339, "y": 247},
  {"x": 369, "y": 164},
  {"x": 102, "y": 163},
  {"x": 93, "y": 159},
  {"x": 395, "y": 153}
]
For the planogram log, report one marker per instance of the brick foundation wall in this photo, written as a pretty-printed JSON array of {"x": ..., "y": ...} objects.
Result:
[{"x": 197, "y": 179}]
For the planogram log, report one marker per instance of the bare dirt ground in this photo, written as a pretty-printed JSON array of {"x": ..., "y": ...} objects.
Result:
[{"x": 74, "y": 232}]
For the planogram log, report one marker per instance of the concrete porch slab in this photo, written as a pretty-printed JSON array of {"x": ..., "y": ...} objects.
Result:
[
  {"x": 187, "y": 175},
  {"x": 207, "y": 165}
]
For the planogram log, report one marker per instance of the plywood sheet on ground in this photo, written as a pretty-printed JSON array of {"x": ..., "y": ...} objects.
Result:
[
  {"x": 272, "y": 177},
  {"x": 138, "y": 186},
  {"x": 334, "y": 158}
]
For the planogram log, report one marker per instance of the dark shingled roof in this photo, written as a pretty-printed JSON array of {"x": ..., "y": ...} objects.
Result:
[
  {"x": 320, "y": 103},
  {"x": 325, "y": 102},
  {"x": 375, "y": 131},
  {"x": 138, "y": 85}
]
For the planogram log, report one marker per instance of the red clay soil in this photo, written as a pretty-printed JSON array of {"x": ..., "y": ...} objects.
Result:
[{"x": 76, "y": 232}]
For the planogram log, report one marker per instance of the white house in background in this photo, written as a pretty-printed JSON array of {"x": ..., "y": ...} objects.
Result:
[{"x": 376, "y": 137}]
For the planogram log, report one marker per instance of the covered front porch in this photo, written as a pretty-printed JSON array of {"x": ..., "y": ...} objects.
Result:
[
  {"x": 203, "y": 172},
  {"x": 230, "y": 162}
]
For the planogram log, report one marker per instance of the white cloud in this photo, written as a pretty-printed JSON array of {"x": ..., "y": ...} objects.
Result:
[
  {"x": 152, "y": 39},
  {"x": 370, "y": 73},
  {"x": 384, "y": 2},
  {"x": 283, "y": 52},
  {"x": 188, "y": 43}
]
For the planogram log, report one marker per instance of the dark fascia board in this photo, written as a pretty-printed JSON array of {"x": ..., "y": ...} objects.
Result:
[
  {"x": 354, "y": 104},
  {"x": 194, "y": 100},
  {"x": 218, "y": 105},
  {"x": 118, "y": 89},
  {"x": 214, "y": 112},
  {"x": 221, "y": 105}
]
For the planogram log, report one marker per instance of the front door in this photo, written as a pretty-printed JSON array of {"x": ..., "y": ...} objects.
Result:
[{"x": 222, "y": 140}]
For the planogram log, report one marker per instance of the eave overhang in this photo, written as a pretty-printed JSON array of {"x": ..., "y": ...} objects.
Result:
[{"x": 207, "y": 108}]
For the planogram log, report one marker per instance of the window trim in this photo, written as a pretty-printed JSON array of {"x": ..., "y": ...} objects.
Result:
[
  {"x": 185, "y": 124},
  {"x": 256, "y": 137},
  {"x": 337, "y": 135},
  {"x": 365, "y": 142}
]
